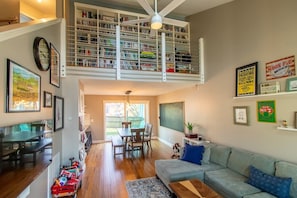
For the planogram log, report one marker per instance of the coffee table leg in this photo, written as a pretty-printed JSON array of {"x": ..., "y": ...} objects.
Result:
[{"x": 173, "y": 195}]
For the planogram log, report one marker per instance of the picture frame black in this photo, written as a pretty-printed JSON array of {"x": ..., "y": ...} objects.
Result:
[
  {"x": 58, "y": 113},
  {"x": 47, "y": 99},
  {"x": 55, "y": 75},
  {"x": 240, "y": 115},
  {"x": 23, "y": 89},
  {"x": 247, "y": 80}
]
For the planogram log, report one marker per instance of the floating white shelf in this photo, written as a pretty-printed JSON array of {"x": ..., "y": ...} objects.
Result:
[
  {"x": 289, "y": 128},
  {"x": 267, "y": 95}
]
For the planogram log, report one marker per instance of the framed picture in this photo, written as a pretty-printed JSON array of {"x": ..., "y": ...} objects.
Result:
[
  {"x": 47, "y": 99},
  {"x": 55, "y": 67},
  {"x": 291, "y": 84},
  {"x": 240, "y": 115},
  {"x": 246, "y": 80},
  {"x": 23, "y": 89},
  {"x": 58, "y": 113},
  {"x": 295, "y": 119},
  {"x": 284, "y": 67},
  {"x": 266, "y": 111}
]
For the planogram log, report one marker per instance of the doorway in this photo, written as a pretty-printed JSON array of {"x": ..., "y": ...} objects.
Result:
[{"x": 115, "y": 112}]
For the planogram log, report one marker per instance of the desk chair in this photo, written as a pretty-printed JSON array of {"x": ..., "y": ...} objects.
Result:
[{"x": 7, "y": 152}]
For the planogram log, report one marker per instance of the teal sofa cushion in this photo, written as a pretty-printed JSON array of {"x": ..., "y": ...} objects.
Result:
[
  {"x": 264, "y": 163},
  {"x": 260, "y": 195},
  {"x": 240, "y": 161},
  {"x": 219, "y": 154},
  {"x": 229, "y": 183},
  {"x": 277, "y": 186},
  {"x": 287, "y": 169}
]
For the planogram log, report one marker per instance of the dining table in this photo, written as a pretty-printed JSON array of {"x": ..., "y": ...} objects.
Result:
[{"x": 125, "y": 134}]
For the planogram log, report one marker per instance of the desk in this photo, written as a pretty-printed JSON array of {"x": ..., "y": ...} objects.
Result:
[{"x": 22, "y": 136}]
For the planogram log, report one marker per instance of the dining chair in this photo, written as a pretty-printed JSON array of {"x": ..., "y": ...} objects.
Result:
[
  {"x": 7, "y": 152},
  {"x": 136, "y": 140},
  {"x": 148, "y": 135},
  {"x": 126, "y": 124}
]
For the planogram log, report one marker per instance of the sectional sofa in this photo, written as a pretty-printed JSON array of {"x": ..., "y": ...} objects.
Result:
[{"x": 234, "y": 173}]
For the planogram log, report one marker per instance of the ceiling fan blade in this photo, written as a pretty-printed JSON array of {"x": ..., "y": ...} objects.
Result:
[
  {"x": 146, "y": 6},
  {"x": 174, "y": 22},
  {"x": 131, "y": 22},
  {"x": 171, "y": 6}
]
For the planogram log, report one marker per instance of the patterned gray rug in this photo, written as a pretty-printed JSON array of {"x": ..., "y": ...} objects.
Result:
[{"x": 147, "y": 188}]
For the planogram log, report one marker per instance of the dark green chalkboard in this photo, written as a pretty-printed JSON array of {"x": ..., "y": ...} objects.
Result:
[{"x": 172, "y": 115}]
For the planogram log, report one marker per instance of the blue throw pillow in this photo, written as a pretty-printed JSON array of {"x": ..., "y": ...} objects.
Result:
[
  {"x": 278, "y": 186},
  {"x": 193, "y": 153}
]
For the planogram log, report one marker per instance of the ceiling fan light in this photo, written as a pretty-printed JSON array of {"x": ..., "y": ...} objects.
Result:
[{"x": 156, "y": 22}]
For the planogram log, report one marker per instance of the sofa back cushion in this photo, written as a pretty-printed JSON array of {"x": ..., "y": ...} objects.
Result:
[
  {"x": 239, "y": 161},
  {"x": 264, "y": 163},
  {"x": 219, "y": 154},
  {"x": 287, "y": 169}
]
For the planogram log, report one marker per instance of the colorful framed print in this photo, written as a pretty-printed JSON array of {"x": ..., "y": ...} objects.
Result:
[
  {"x": 266, "y": 111},
  {"x": 58, "y": 113},
  {"x": 246, "y": 80},
  {"x": 284, "y": 67},
  {"x": 23, "y": 89},
  {"x": 55, "y": 66},
  {"x": 47, "y": 99},
  {"x": 240, "y": 115},
  {"x": 291, "y": 84}
]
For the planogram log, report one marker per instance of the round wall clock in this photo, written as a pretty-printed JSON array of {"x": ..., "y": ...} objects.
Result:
[{"x": 42, "y": 54}]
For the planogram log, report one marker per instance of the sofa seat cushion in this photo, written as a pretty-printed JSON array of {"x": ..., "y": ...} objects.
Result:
[
  {"x": 176, "y": 170},
  {"x": 260, "y": 195},
  {"x": 229, "y": 183}
]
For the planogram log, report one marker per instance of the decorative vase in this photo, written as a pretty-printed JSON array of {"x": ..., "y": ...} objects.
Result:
[{"x": 190, "y": 131}]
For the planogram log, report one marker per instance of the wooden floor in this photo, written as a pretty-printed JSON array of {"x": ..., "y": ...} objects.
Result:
[{"x": 106, "y": 175}]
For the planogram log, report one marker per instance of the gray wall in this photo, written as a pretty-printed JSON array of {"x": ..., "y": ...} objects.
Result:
[{"x": 237, "y": 34}]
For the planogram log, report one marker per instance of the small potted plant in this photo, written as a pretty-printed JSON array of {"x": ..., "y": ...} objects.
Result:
[{"x": 189, "y": 126}]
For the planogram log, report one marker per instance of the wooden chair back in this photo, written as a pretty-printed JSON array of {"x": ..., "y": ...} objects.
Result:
[{"x": 126, "y": 124}]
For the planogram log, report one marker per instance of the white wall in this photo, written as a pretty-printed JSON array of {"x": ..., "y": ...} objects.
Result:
[{"x": 237, "y": 34}]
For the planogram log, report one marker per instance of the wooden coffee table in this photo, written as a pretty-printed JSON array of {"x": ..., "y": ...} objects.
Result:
[{"x": 193, "y": 188}]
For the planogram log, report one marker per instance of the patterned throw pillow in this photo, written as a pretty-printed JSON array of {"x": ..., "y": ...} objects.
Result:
[
  {"x": 193, "y": 153},
  {"x": 277, "y": 186}
]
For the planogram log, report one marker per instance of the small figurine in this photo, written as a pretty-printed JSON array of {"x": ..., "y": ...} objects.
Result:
[{"x": 284, "y": 123}]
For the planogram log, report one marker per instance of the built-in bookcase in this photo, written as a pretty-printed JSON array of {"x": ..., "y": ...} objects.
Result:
[{"x": 140, "y": 48}]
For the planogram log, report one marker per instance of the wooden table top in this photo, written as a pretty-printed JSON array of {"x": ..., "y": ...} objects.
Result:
[{"x": 193, "y": 188}]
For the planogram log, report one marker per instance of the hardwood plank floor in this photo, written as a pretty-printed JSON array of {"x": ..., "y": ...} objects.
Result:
[{"x": 106, "y": 175}]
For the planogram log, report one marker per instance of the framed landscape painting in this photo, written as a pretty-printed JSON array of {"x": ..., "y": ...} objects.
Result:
[{"x": 23, "y": 89}]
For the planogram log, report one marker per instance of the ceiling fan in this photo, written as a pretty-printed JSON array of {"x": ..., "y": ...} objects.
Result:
[{"x": 158, "y": 18}]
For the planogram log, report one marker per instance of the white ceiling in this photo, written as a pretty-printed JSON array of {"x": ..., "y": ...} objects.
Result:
[{"x": 116, "y": 87}]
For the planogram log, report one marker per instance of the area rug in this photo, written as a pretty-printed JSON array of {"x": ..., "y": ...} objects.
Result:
[{"x": 148, "y": 187}]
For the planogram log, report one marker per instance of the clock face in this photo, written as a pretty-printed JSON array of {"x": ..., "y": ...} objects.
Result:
[{"x": 41, "y": 52}]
